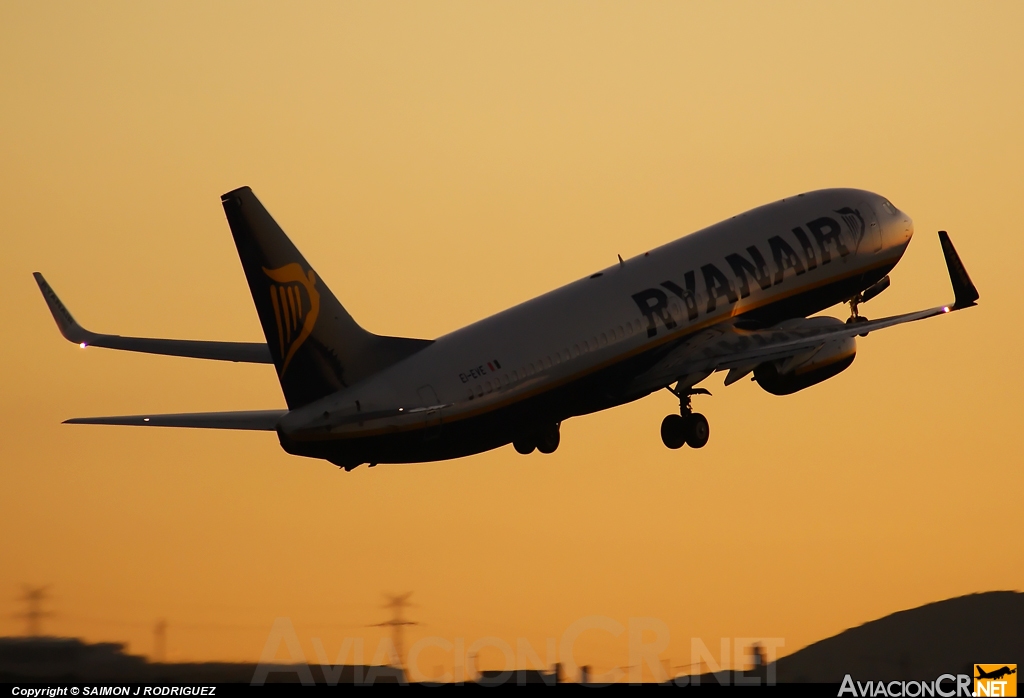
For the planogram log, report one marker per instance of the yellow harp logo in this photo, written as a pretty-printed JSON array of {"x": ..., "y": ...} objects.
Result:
[{"x": 296, "y": 304}]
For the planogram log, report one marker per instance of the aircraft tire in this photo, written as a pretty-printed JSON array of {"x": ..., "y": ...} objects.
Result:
[
  {"x": 698, "y": 431},
  {"x": 523, "y": 446},
  {"x": 854, "y": 321},
  {"x": 549, "y": 440},
  {"x": 673, "y": 431}
]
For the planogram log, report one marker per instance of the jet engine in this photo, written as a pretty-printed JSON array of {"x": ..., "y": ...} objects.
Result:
[{"x": 787, "y": 376}]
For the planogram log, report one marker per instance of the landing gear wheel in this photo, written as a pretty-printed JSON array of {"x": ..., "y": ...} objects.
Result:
[
  {"x": 524, "y": 446},
  {"x": 698, "y": 431},
  {"x": 855, "y": 320},
  {"x": 673, "y": 431},
  {"x": 548, "y": 439}
]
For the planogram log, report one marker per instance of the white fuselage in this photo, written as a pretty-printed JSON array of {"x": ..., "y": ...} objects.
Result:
[{"x": 625, "y": 311}]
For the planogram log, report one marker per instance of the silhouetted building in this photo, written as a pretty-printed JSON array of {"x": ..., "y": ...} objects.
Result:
[
  {"x": 41, "y": 659},
  {"x": 521, "y": 677},
  {"x": 50, "y": 658}
]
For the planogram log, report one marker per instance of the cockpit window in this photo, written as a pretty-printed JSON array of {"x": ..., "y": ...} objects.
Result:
[{"x": 887, "y": 205}]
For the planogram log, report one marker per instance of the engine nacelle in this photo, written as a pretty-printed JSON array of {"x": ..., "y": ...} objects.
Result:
[{"x": 787, "y": 376}]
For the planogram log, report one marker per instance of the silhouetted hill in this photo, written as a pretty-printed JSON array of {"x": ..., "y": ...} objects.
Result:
[{"x": 921, "y": 643}]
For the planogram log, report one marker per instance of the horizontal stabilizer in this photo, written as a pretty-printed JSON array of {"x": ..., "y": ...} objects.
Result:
[
  {"x": 245, "y": 352},
  {"x": 252, "y": 420}
]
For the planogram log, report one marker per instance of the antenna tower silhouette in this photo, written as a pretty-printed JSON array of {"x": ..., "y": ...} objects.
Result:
[
  {"x": 160, "y": 641},
  {"x": 33, "y": 597},
  {"x": 397, "y": 603}
]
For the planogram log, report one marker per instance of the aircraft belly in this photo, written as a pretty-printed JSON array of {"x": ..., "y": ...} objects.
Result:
[
  {"x": 467, "y": 431},
  {"x": 469, "y": 427}
]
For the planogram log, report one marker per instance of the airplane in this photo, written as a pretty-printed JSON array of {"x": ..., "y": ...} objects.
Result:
[
  {"x": 996, "y": 674},
  {"x": 739, "y": 296}
]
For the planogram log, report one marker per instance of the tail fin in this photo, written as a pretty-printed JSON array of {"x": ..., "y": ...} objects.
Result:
[{"x": 317, "y": 347}]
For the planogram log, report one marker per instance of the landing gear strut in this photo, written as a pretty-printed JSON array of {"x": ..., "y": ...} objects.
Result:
[
  {"x": 687, "y": 427},
  {"x": 855, "y": 315},
  {"x": 545, "y": 439},
  {"x": 863, "y": 297}
]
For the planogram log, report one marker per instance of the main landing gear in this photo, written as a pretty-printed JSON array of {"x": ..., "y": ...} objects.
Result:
[
  {"x": 687, "y": 427},
  {"x": 545, "y": 439}
]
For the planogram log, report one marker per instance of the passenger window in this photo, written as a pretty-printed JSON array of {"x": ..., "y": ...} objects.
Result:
[
  {"x": 575, "y": 350},
  {"x": 471, "y": 393},
  {"x": 618, "y": 332},
  {"x": 604, "y": 339},
  {"x": 479, "y": 391},
  {"x": 504, "y": 379},
  {"x": 547, "y": 362}
]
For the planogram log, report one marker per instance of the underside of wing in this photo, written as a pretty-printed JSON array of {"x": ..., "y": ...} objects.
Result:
[
  {"x": 251, "y": 420},
  {"x": 244, "y": 352},
  {"x": 781, "y": 347},
  {"x": 726, "y": 347}
]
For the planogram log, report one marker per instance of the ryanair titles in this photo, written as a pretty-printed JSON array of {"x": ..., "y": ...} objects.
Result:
[{"x": 749, "y": 268}]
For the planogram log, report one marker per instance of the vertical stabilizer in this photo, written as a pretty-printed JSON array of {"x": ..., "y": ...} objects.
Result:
[{"x": 317, "y": 347}]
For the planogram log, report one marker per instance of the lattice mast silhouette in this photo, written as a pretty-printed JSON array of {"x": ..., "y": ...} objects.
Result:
[
  {"x": 397, "y": 603},
  {"x": 33, "y": 598}
]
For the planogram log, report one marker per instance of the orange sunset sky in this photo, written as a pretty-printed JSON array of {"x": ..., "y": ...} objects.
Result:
[{"x": 439, "y": 162}]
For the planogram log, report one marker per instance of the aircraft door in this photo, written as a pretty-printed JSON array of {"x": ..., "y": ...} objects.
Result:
[{"x": 432, "y": 417}]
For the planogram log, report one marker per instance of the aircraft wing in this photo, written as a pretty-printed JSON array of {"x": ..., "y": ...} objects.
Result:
[
  {"x": 251, "y": 420},
  {"x": 726, "y": 347},
  {"x": 245, "y": 352}
]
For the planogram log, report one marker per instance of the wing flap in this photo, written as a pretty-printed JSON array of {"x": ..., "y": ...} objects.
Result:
[
  {"x": 243, "y": 352},
  {"x": 249, "y": 420}
]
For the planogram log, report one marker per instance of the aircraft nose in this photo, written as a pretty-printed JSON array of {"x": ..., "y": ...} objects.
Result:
[{"x": 897, "y": 226}]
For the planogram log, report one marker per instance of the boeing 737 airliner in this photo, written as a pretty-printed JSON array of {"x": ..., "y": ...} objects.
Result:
[{"x": 733, "y": 297}]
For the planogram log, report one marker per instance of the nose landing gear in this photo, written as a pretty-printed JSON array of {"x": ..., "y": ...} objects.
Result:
[
  {"x": 687, "y": 427},
  {"x": 863, "y": 297},
  {"x": 855, "y": 316}
]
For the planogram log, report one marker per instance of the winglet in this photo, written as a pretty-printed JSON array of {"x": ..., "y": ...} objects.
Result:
[
  {"x": 71, "y": 330},
  {"x": 964, "y": 292}
]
